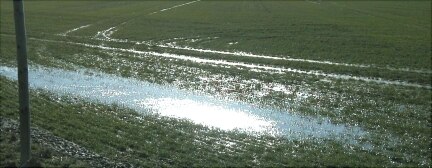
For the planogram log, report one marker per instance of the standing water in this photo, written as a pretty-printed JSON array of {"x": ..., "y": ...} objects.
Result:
[{"x": 172, "y": 102}]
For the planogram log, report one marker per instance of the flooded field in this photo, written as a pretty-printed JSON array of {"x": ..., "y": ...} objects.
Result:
[
  {"x": 358, "y": 83},
  {"x": 169, "y": 101}
]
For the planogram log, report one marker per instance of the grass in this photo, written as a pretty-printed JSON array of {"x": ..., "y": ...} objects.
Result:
[
  {"x": 382, "y": 34},
  {"x": 334, "y": 31},
  {"x": 350, "y": 32},
  {"x": 150, "y": 141},
  {"x": 42, "y": 156}
]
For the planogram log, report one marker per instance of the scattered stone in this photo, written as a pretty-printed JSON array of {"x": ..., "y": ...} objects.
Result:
[{"x": 60, "y": 145}]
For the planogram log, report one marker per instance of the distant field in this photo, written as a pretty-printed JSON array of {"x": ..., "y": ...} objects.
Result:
[{"x": 357, "y": 63}]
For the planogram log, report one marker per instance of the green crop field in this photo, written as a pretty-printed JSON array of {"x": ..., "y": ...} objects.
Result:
[{"x": 364, "y": 64}]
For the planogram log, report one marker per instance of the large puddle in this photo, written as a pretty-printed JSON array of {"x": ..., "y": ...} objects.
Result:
[{"x": 172, "y": 102}]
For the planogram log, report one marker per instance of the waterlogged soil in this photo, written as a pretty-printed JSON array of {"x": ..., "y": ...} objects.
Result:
[
  {"x": 256, "y": 65},
  {"x": 382, "y": 108},
  {"x": 361, "y": 107},
  {"x": 169, "y": 101}
]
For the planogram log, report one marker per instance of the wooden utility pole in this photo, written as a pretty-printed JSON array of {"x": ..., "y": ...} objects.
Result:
[{"x": 23, "y": 84}]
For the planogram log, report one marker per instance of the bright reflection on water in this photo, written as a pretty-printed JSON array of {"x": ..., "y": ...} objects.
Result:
[
  {"x": 208, "y": 113},
  {"x": 170, "y": 101}
]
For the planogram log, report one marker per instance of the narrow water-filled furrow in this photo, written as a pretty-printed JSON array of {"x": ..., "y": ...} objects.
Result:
[
  {"x": 172, "y": 44},
  {"x": 253, "y": 67},
  {"x": 72, "y": 30},
  {"x": 368, "y": 71},
  {"x": 176, "y": 6}
]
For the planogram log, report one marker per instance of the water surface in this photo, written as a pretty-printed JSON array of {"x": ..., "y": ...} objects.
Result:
[{"x": 170, "y": 101}]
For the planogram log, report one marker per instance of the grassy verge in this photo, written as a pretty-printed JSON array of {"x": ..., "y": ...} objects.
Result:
[{"x": 42, "y": 156}]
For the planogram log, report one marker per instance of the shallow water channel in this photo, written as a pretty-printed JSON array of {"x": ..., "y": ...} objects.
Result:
[{"x": 170, "y": 101}]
